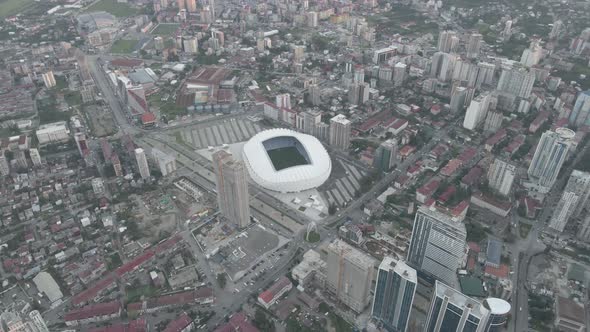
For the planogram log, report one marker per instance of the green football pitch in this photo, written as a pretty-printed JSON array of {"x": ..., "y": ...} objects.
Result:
[{"x": 286, "y": 157}]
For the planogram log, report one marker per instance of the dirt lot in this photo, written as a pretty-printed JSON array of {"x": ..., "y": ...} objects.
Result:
[{"x": 100, "y": 120}]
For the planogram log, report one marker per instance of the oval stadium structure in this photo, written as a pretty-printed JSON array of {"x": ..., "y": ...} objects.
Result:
[{"x": 284, "y": 160}]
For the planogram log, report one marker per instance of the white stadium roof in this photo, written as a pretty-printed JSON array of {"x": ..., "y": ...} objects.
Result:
[{"x": 291, "y": 179}]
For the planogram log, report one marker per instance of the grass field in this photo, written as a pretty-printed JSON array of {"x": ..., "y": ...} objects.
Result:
[
  {"x": 124, "y": 46},
  {"x": 165, "y": 29},
  {"x": 113, "y": 7},
  {"x": 286, "y": 157},
  {"x": 12, "y": 7}
]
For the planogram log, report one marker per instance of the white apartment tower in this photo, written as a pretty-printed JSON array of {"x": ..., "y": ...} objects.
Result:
[
  {"x": 573, "y": 200},
  {"x": 340, "y": 129},
  {"x": 473, "y": 45},
  {"x": 501, "y": 176},
  {"x": 549, "y": 156},
  {"x": 49, "y": 79},
  {"x": 142, "y": 163},
  {"x": 477, "y": 111}
]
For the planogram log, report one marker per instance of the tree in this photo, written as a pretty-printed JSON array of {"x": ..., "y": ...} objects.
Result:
[
  {"x": 221, "y": 280},
  {"x": 332, "y": 209},
  {"x": 262, "y": 322}
]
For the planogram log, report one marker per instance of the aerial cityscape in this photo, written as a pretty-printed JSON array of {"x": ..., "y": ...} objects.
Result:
[{"x": 295, "y": 165}]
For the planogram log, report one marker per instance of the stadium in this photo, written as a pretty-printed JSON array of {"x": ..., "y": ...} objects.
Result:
[{"x": 286, "y": 161}]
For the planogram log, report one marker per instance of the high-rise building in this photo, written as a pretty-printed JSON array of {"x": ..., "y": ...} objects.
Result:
[
  {"x": 232, "y": 188},
  {"x": 453, "y": 311},
  {"x": 159, "y": 43},
  {"x": 518, "y": 82},
  {"x": 584, "y": 230},
  {"x": 399, "y": 73},
  {"x": 4, "y": 165},
  {"x": 117, "y": 165},
  {"x": 458, "y": 96},
  {"x": 340, "y": 129},
  {"x": 314, "y": 94},
  {"x": 98, "y": 186},
  {"x": 49, "y": 79},
  {"x": 477, "y": 111},
  {"x": 283, "y": 100},
  {"x": 499, "y": 311},
  {"x": 394, "y": 294},
  {"x": 311, "y": 119},
  {"x": 448, "y": 41},
  {"x": 166, "y": 163},
  {"x": 443, "y": 65},
  {"x": 36, "y": 322},
  {"x": 501, "y": 176},
  {"x": 556, "y": 30},
  {"x": 532, "y": 55},
  {"x": 473, "y": 45},
  {"x": 142, "y": 164},
  {"x": 580, "y": 114},
  {"x": 349, "y": 274},
  {"x": 438, "y": 243},
  {"x": 507, "y": 32},
  {"x": 386, "y": 155},
  {"x": 82, "y": 144},
  {"x": 212, "y": 9},
  {"x": 191, "y": 6},
  {"x": 35, "y": 157},
  {"x": 298, "y": 52},
  {"x": 573, "y": 200},
  {"x": 190, "y": 45},
  {"x": 549, "y": 156},
  {"x": 358, "y": 74},
  {"x": 312, "y": 19},
  {"x": 181, "y": 5}
]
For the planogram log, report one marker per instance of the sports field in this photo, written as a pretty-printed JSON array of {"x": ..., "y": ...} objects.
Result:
[
  {"x": 286, "y": 157},
  {"x": 165, "y": 29},
  {"x": 124, "y": 46},
  {"x": 113, "y": 7},
  {"x": 12, "y": 7}
]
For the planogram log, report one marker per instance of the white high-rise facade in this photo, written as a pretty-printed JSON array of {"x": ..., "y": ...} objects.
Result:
[
  {"x": 142, "y": 163},
  {"x": 580, "y": 114},
  {"x": 283, "y": 100},
  {"x": 232, "y": 188},
  {"x": 4, "y": 165},
  {"x": 340, "y": 129},
  {"x": 166, "y": 163},
  {"x": 474, "y": 45},
  {"x": 448, "y": 41},
  {"x": 49, "y": 79},
  {"x": 476, "y": 112},
  {"x": 573, "y": 200},
  {"x": 518, "y": 82},
  {"x": 501, "y": 176},
  {"x": 438, "y": 243},
  {"x": 549, "y": 156}
]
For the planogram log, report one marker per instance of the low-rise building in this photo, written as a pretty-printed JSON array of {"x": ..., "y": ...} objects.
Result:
[
  {"x": 274, "y": 292},
  {"x": 93, "y": 313}
]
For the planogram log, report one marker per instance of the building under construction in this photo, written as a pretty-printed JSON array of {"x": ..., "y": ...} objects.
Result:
[
  {"x": 350, "y": 273},
  {"x": 232, "y": 188}
]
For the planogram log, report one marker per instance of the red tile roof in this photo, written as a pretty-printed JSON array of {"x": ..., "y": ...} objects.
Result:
[
  {"x": 429, "y": 188},
  {"x": 474, "y": 247},
  {"x": 237, "y": 323},
  {"x": 93, "y": 310},
  {"x": 92, "y": 292},
  {"x": 472, "y": 176},
  {"x": 133, "y": 264},
  {"x": 268, "y": 295},
  {"x": 467, "y": 154},
  {"x": 179, "y": 323},
  {"x": 148, "y": 118},
  {"x": 451, "y": 167},
  {"x": 138, "y": 325},
  {"x": 500, "y": 272}
]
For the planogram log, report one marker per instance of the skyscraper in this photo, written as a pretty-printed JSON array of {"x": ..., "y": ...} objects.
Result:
[
  {"x": 580, "y": 114},
  {"x": 549, "y": 156},
  {"x": 437, "y": 246},
  {"x": 314, "y": 94},
  {"x": 399, "y": 73},
  {"x": 442, "y": 65},
  {"x": 181, "y": 4},
  {"x": 35, "y": 157},
  {"x": 499, "y": 311},
  {"x": 142, "y": 164},
  {"x": 556, "y": 30},
  {"x": 232, "y": 188},
  {"x": 501, "y": 176},
  {"x": 448, "y": 41},
  {"x": 283, "y": 100},
  {"x": 349, "y": 274},
  {"x": 452, "y": 311},
  {"x": 191, "y": 6},
  {"x": 36, "y": 322},
  {"x": 4, "y": 165},
  {"x": 166, "y": 163},
  {"x": 573, "y": 200},
  {"x": 477, "y": 111},
  {"x": 386, "y": 155},
  {"x": 473, "y": 45},
  {"x": 518, "y": 82},
  {"x": 190, "y": 45},
  {"x": 394, "y": 294},
  {"x": 458, "y": 96},
  {"x": 532, "y": 55},
  {"x": 340, "y": 128}
]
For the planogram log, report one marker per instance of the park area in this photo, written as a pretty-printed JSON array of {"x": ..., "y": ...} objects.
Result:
[
  {"x": 165, "y": 29},
  {"x": 111, "y": 6},
  {"x": 13, "y": 7},
  {"x": 124, "y": 46}
]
